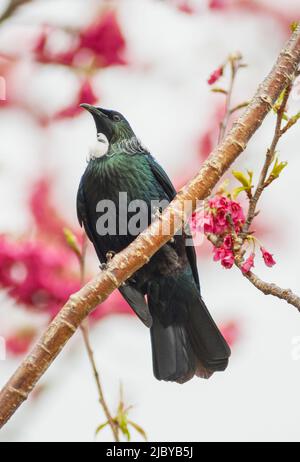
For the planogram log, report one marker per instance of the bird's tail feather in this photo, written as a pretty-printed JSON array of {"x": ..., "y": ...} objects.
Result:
[{"x": 186, "y": 342}]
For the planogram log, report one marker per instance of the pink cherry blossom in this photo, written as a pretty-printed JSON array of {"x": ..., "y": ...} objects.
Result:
[
  {"x": 228, "y": 261},
  {"x": 219, "y": 253},
  {"x": 248, "y": 264},
  {"x": 268, "y": 258},
  {"x": 227, "y": 243},
  {"x": 215, "y": 76}
]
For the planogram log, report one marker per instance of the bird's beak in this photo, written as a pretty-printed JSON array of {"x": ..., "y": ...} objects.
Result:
[
  {"x": 95, "y": 111},
  {"x": 102, "y": 120}
]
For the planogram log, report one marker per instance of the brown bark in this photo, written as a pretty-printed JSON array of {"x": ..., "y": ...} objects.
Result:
[{"x": 127, "y": 262}]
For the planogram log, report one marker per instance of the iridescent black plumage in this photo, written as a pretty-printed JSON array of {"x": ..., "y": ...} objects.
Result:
[{"x": 185, "y": 339}]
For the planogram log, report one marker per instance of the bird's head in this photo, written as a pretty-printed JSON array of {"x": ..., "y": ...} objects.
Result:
[{"x": 111, "y": 124}]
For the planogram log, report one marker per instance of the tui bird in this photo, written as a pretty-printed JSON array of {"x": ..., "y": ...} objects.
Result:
[{"x": 165, "y": 293}]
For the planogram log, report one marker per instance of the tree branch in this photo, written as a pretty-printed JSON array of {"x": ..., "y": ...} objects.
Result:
[
  {"x": 272, "y": 289},
  {"x": 127, "y": 262},
  {"x": 11, "y": 8},
  {"x": 271, "y": 152}
]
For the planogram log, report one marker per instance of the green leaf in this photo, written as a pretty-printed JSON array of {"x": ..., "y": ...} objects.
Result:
[
  {"x": 241, "y": 178},
  {"x": 72, "y": 242},
  {"x": 123, "y": 425},
  {"x": 295, "y": 118},
  {"x": 285, "y": 116},
  {"x": 237, "y": 191},
  {"x": 278, "y": 104},
  {"x": 139, "y": 429},
  {"x": 219, "y": 90},
  {"x": 280, "y": 98},
  {"x": 98, "y": 430},
  {"x": 277, "y": 168},
  {"x": 250, "y": 174}
]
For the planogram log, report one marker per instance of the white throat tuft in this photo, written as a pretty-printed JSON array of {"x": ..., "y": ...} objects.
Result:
[{"x": 100, "y": 148}]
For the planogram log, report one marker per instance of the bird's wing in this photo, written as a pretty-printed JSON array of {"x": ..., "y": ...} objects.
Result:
[
  {"x": 83, "y": 219},
  {"x": 135, "y": 298},
  {"x": 169, "y": 189},
  {"x": 132, "y": 295}
]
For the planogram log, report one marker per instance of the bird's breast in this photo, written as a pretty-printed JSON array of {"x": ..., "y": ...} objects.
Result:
[{"x": 106, "y": 178}]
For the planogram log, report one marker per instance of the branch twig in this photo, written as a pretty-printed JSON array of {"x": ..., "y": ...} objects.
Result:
[
  {"x": 11, "y": 8},
  {"x": 272, "y": 289},
  {"x": 234, "y": 61},
  {"x": 265, "y": 287},
  {"x": 86, "y": 338},
  {"x": 268, "y": 161},
  {"x": 102, "y": 401},
  {"x": 127, "y": 262}
]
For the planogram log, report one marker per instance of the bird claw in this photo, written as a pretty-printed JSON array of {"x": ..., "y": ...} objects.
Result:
[
  {"x": 110, "y": 255},
  {"x": 157, "y": 213}
]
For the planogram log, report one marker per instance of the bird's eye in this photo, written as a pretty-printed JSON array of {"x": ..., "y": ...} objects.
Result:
[{"x": 116, "y": 118}]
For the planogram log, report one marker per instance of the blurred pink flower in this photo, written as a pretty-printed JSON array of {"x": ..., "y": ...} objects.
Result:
[
  {"x": 283, "y": 15},
  {"x": 85, "y": 95},
  {"x": 45, "y": 56},
  {"x": 248, "y": 264},
  {"x": 105, "y": 39},
  {"x": 35, "y": 275},
  {"x": 268, "y": 258},
  {"x": 19, "y": 342},
  {"x": 231, "y": 332},
  {"x": 49, "y": 223},
  {"x": 100, "y": 44},
  {"x": 218, "y": 4},
  {"x": 185, "y": 6}
]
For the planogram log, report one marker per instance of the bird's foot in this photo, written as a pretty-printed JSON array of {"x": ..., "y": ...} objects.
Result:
[
  {"x": 110, "y": 255},
  {"x": 157, "y": 212}
]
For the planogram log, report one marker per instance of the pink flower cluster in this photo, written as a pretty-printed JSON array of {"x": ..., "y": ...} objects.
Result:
[
  {"x": 222, "y": 214},
  {"x": 35, "y": 274},
  {"x": 101, "y": 42},
  {"x": 222, "y": 218}
]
